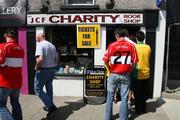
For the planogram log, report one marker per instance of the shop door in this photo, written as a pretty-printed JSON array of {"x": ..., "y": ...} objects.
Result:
[
  {"x": 132, "y": 35},
  {"x": 173, "y": 59},
  {"x": 110, "y": 33}
]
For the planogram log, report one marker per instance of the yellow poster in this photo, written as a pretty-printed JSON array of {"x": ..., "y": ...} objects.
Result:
[{"x": 88, "y": 36}]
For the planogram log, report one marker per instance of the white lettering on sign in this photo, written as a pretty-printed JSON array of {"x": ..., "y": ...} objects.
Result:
[
  {"x": 11, "y": 10},
  {"x": 106, "y": 18}
]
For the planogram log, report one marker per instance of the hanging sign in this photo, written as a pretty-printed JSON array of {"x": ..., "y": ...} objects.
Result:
[{"x": 88, "y": 36}]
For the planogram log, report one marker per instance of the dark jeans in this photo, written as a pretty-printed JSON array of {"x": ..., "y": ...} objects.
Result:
[
  {"x": 141, "y": 95},
  {"x": 44, "y": 77},
  {"x": 14, "y": 100}
]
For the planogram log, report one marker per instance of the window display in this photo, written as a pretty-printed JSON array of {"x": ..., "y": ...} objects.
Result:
[{"x": 72, "y": 60}]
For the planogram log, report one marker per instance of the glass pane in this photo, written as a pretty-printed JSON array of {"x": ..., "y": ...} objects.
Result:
[
  {"x": 80, "y": 1},
  {"x": 72, "y": 60}
]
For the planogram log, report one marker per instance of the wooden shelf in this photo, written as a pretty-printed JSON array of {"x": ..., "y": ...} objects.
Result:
[
  {"x": 69, "y": 74},
  {"x": 77, "y": 55}
]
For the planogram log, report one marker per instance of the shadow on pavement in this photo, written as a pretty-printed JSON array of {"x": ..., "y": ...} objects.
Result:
[
  {"x": 65, "y": 111},
  {"x": 151, "y": 107}
]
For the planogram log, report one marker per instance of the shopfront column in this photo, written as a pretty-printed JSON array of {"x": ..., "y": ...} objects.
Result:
[
  {"x": 159, "y": 54},
  {"x": 99, "y": 52},
  {"x": 23, "y": 42}
]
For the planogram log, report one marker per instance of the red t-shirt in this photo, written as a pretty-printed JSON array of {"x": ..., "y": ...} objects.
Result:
[
  {"x": 121, "y": 54},
  {"x": 11, "y": 58}
]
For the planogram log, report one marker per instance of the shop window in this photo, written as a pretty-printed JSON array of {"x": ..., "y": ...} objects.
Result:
[
  {"x": 79, "y": 2},
  {"x": 72, "y": 60}
]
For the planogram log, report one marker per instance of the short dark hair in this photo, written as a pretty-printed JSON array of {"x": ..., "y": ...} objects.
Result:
[
  {"x": 122, "y": 32},
  {"x": 11, "y": 33},
  {"x": 140, "y": 36}
]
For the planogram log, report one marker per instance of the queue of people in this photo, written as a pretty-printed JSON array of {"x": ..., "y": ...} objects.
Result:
[
  {"x": 127, "y": 62},
  {"x": 129, "y": 67}
]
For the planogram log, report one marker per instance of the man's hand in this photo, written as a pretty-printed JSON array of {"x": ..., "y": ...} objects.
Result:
[
  {"x": 36, "y": 68},
  {"x": 39, "y": 60},
  {"x": 130, "y": 95}
]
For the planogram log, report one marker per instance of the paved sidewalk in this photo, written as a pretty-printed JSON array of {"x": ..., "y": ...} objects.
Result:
[{"x": 72, "y": 108}]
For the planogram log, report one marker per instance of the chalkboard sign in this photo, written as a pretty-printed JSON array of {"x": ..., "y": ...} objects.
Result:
[{"x": 95, "y": 85}]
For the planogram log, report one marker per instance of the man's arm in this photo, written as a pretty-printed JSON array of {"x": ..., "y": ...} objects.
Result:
[
  {"x": 39, "y": 56},
  {"x": 39, "y": 60},
  {"x": 2, "y": 55},
  {"x": 107, "y": 64}
]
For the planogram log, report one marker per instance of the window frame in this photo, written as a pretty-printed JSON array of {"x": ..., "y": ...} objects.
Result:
[{"x": 67, "y": 3}]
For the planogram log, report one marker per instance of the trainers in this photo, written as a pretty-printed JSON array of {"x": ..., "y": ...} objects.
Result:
[{"x": 51, "y": 110}]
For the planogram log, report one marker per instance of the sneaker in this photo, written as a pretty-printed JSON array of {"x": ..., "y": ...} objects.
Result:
[
  {"x": 45, "y": 108},
  {"x": 51, "y": 110}
]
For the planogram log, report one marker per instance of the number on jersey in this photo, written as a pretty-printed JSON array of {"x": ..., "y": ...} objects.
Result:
[{"x": 121, "y": 58}]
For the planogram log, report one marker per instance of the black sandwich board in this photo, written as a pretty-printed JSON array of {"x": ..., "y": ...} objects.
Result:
[{"x": 94, "y": 85}]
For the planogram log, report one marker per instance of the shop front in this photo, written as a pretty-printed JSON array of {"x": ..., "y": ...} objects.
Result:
[{"x": 81, "y": 37}]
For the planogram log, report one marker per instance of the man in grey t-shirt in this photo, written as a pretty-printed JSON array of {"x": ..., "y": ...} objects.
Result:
[{"x": 46, "y": 61}]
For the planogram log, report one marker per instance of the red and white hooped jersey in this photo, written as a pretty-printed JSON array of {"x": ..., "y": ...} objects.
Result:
[
  {"x": 121, "y": 54},
  {"x": 11, "y": 59}
]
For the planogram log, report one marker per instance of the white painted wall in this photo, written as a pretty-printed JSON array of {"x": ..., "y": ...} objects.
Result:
[
  {"x": 65, "y": 87},
  {"x": 99, "y": 53},
  {"x": 159, "y": 54},
  {"x": 143, "y": 29}
]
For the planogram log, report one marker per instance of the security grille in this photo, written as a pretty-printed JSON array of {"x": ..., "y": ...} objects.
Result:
[{"x": 173, "y": 58}]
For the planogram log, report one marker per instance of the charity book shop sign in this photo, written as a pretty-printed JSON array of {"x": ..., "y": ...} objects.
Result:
[
  {"x": 88, "y": 36},
  {"x": 94, "y": 18}
]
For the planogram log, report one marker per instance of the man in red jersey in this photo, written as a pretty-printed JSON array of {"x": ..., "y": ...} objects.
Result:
[
  {"x": 11, "y": 58},
  {"x": 120, "y": 58}
]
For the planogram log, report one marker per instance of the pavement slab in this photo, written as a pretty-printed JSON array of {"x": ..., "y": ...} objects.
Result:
[{"x": 73, "y": 108}]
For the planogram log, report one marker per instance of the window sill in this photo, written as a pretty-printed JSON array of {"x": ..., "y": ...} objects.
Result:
[{"x": 69, "y": 74}]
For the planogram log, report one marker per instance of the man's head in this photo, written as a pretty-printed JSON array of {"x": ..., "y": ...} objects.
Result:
[
  {"x": 10, "y": 35},
  {"x": 40, "y": 37},
  {"x": 121, "y": 32},
  {"x": 140, "y": 36}
]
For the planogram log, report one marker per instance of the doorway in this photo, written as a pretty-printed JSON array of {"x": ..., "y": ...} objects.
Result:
[{"x": 110, "y": 33}]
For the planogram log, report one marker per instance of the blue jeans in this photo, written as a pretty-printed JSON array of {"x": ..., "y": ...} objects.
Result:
[
  {"x": 122, "y": 81},
  {"x": 16, "y": 107},
  {"x": 14, "y": 99},
  {"x": 44, "y": 77}
]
